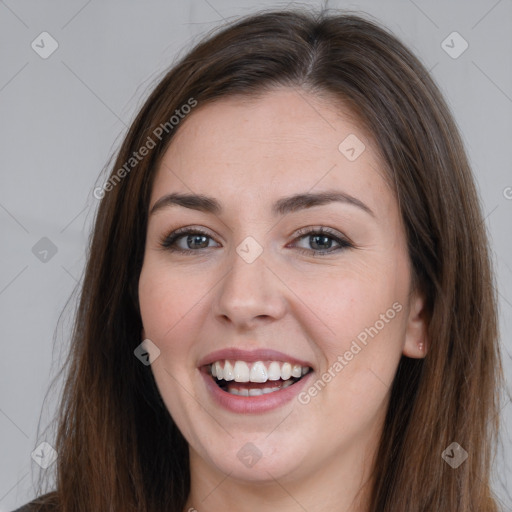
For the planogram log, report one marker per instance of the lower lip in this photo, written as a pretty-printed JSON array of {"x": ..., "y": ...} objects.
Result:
[{"x": 254, "y": 404}]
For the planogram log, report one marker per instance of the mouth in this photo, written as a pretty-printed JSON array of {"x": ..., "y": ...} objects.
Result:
[{"x": 249, "y": 379}]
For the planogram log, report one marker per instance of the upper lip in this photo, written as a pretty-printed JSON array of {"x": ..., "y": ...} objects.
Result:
[{"x": 250, "y": 356}]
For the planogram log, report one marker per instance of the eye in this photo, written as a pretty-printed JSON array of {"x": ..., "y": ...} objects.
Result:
[
  {"x": 194, "y": 237},
  {"x": 196, "y": 240},
  {"x": 319, "y": 238}
]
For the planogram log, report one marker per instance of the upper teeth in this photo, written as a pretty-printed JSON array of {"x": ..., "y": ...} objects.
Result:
[{"x": 240, "y": 371}]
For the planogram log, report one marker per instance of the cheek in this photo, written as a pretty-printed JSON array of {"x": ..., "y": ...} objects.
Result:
[
  {"x": 361, "y": 359},
  {"x": 354, "y": 304},
  {"x": 169, "y": 311},
  {"x": 166, "y": 299},
  {"x": 360, "y": 334}
]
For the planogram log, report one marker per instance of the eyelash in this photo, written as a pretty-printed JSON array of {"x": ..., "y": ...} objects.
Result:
[{"x": 167, "y": 241}]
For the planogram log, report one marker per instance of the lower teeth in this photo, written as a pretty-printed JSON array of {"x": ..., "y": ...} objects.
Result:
[{"x": 241, "y": 391}]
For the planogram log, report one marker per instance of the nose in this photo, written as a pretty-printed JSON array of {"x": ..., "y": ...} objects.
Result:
[{"x": 250, "y": 293}]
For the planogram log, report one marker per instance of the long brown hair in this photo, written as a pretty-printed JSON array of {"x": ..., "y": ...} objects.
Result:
[{"x": 118, "y": 447}]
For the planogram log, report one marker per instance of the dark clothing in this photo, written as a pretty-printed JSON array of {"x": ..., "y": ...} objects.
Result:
[
  {"x": 34, "y": 505},
  {"x": 25, "y": 508}
]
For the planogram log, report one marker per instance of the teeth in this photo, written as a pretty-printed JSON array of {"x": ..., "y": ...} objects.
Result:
[
  {"x": 241, "y": 371},
  {"x": 286, "y": 371},
  {"x": 218, "y": 370},
  {"x": 258, "y": 391},
  {"x": 228, "y": 371},
  {"x": 274, "y": 371},
  {"x": 258, "y": 373},
  {"x": 297, "y": 370}
]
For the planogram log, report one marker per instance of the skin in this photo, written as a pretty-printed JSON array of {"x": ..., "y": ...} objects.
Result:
[{"x": 247, "y": 153}]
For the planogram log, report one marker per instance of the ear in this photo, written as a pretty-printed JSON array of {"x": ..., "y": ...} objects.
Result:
[
  {"x": 416, "y": 343},
  {"x": 143, "y": 334}
]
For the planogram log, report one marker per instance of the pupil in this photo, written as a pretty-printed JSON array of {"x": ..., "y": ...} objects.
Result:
[
  {"x": 326, "y": 239},
  {"x": 191, "y": 239}
]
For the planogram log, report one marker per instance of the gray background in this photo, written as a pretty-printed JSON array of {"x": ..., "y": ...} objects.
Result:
[{"x": 62, "y": 118}]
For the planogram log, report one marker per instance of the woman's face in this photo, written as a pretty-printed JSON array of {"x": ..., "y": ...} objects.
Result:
[{"x": 254, "y": 295}]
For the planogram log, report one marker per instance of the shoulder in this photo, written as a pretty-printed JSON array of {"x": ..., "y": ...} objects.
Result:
[
  {"x": 44, "y": 503},
  {"x": 29, "y": 507}
]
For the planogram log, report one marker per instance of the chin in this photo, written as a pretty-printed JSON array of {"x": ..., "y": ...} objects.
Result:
[{"x": 259, "y": 458}]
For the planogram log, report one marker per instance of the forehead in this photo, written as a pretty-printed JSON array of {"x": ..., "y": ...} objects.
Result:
[{"x": 284, "y": 142}]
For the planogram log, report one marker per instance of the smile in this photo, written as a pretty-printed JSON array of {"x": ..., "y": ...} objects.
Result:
[{"x": 254, "y": 379}]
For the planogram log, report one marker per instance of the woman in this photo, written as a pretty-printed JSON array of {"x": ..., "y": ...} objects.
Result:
[{"x": 330, "y": 343}]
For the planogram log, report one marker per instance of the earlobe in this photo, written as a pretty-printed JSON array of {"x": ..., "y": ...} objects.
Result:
[{"x": 416, "y": 343}]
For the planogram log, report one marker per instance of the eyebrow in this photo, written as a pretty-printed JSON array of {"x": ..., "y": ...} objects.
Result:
[{"x": 280, "y": 207}]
